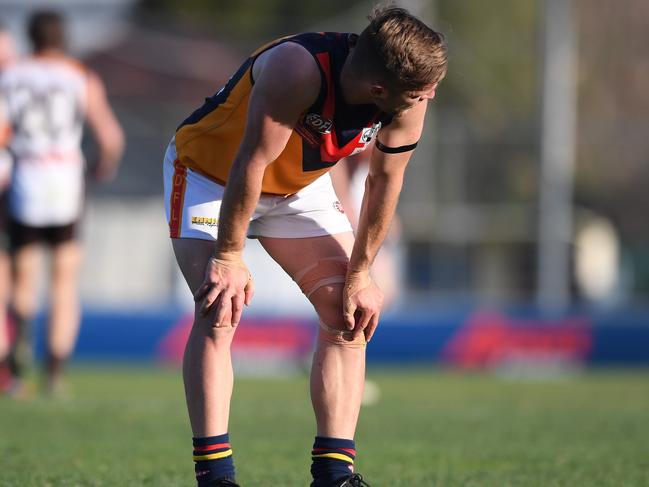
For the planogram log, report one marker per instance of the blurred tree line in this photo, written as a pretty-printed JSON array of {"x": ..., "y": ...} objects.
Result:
[
  {"x": 490, "y": 97},
  {"x": 240, "y": 21},
  {"x": 613, "y": 152}
]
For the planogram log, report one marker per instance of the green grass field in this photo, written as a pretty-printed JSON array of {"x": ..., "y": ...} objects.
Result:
[{"x": 128, "y": 427}]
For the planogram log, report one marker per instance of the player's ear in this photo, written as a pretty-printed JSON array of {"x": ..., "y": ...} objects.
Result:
[
  {"x": 378, "y": 91},
  {"x": 430, "y": 94}
]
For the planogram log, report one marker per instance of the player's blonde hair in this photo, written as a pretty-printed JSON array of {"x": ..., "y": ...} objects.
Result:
[{"x": 400, "y": 50}]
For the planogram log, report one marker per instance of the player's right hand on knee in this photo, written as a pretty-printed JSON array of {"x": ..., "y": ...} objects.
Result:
[{"x": 227, "y": 286}]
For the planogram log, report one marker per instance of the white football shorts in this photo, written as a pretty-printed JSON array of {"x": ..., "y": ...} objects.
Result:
[{"x": 193, "y": 202}]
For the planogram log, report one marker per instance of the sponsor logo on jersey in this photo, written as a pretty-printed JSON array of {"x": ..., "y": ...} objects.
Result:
[
  {"x": 319, "y": 124},
  {"x": 370, "y": 132},
  {"x": 367, "y": 136},
  {"x": 205, "y": 220},
  {"x": 338, "y": 206}
]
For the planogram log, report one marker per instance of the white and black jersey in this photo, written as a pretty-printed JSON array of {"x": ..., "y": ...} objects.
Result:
[{"x": 43, "y": 100}]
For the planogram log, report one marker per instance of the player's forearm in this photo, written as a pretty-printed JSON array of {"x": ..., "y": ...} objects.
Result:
[
  {"x": 111, "y": 144},
  {"x": 110, "y": 156},
  {"x": 239, "y": 201},
  {"x": 379, "y": 204}
]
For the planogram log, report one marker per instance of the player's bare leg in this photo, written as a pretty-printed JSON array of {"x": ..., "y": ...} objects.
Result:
[
  {"x": 4, "y": 330},
  {"x": 26, "y": 263},
  {"x": 319, "y": 265},
  {"x": 338, "y": 371},
  {"x": 65, "y": 312},
  {"x": 207, "y": 364}
]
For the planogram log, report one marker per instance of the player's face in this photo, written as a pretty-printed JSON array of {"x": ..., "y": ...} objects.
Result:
[{"x": 400, "y": 101}]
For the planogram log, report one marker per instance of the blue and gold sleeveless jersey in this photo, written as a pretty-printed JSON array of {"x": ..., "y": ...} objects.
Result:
[{"x": 208, "y": 140}]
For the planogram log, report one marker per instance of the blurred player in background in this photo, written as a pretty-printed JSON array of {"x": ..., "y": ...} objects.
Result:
[
  {"x": 254, "y": 160},
  {"x": 46, "y": 99},
  {"x": 7, "y": 57}
]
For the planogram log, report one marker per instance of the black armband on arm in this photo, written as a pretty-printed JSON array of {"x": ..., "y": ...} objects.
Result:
[{"x": 395, "y": 150}]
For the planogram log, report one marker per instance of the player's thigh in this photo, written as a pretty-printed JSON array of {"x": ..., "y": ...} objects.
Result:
[
  {"x": 192, "y": 256},
  {"x": 319, "y": 256},
  {"x": 26, "y": 264},
  {"x": 66, "y": 260},
  {"x": 5, "y": 279}
]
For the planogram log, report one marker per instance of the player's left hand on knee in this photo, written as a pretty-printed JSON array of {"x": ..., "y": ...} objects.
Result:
[
  {"x": 362, "y": 303},
  {"x": 226, "y": 288}
]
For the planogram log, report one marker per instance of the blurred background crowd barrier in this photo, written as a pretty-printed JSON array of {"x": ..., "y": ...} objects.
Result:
[{"x": 525, "y": 236}]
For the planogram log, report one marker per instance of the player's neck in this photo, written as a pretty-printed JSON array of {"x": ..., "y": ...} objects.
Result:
[
  {"x": 50, "y": 52},
  {"x": 354, "y": 90}
]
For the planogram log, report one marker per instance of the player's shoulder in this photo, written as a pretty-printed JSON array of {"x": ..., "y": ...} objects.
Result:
[
  {"x": 289, "y": 61},
  {"x": 15, "y": 73},
  {"x": 77, "y": 64},
  {"x": 33, "y": 70},
  {"x": 12, "y": 69},
  {"x": 292, "y": 53},
  {"x": 74, "y": 65},
  {"x": 57, "y": 63},
  {"x": 321, "y": 41},
  {"x": 287, "y": 76}
]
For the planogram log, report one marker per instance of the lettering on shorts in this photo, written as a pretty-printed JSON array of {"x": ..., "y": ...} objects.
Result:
[
  {"x": 338, "y": 206},
  {"x": 208, "y": 221}
]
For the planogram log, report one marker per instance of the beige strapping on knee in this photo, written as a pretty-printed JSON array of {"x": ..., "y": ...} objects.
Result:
[
  {"x": 326, "y": 271},
  {"x": 329, "y": 270},
  {"x": 344, "y": 338}
]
